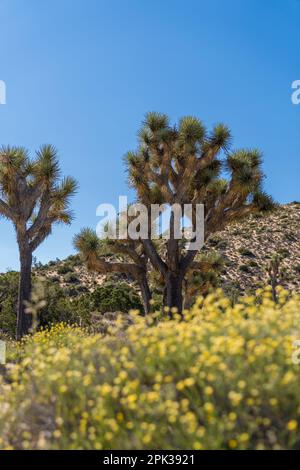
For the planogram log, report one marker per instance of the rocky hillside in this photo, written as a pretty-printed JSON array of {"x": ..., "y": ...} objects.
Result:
[{"x": 246, "y": 247}]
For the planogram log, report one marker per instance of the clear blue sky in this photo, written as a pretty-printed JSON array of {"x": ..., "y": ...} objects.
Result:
[{"x": 82, "y": 73}]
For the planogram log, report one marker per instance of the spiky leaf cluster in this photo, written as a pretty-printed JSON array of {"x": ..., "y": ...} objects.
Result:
[
  {"x": 187, "y": 164},
  {"x": 32, "y": 194}
]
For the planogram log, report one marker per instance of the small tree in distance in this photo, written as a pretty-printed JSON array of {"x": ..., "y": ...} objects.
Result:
[
  {"x": 275, "y": 272},
  {"x": 33, "y": 197}
]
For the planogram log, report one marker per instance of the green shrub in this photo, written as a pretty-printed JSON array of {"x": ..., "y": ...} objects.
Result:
[
  {"x": 284, "y": 253},
  {"x": 59, "y": 306},
  {"x": 113, "y": 297},
  {"x": 71, "y": 278},
  {"x": 64, "y": 269},
  {"x": 246, "y": 252},
  {"x": 297, "y": 268},
  {"x": 244, "y": 268},
  {"x": 253, "y": 264},
  {"x": 214, "y": 240},
  {"x": 9, "y": 283},
  {"x": 71, "y": 305}
]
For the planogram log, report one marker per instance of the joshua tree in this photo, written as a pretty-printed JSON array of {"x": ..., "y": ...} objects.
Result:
[
  {"x": 182, "y": 165},
  {"x": 34, "y": 198},
  {"x": 275, "y": 274},
  {"x": 133, "y": 259}
]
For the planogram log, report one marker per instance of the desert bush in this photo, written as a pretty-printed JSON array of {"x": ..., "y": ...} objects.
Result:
[
  {"x": 73, "y": 304},
  {"x": 74, "y": 260},
  {"x": 246, "y": 252},
  {"x": 233, "y": 292},
  {"x": 283, "y": 253},
  {"x": 71, "y": 278},
  {"x": 59, "y": 307},
  {"x": 220, "y": 378},
  {"x": 245, "y": 268},
  {"x": 297, "y": 268},
  {"x": 76, "y": 290},
  {"x": 217, "y": 242},
  {"x": 253, "y": 264},
  {"x": 64, "y": 269},
  {"x": 9, "y": 283},
  {"x": 113, "y": 297}
]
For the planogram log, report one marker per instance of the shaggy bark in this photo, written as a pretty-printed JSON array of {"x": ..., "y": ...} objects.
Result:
[
  {"x": 146, "y": 293},
  {"x": 24, "y": 320},
  {"x": 174, "y": 291}
]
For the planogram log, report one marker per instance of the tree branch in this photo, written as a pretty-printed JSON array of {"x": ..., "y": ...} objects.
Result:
[
  {"x": 154, "y": 257},
  {"x": 5, "y": 210}
]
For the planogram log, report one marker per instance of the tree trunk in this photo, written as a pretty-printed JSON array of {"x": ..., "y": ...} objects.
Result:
[
  {"x": 188, "y": 297},
  {"x": 24, "y": 320},
  {"x": 174, "y": 291},
  {"x": 146, "y": 294},
  {"x": 274, "y": 285}
]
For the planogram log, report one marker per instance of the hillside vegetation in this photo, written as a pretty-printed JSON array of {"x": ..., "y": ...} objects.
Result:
[
  {"x": 245, "y": 246},
  {"x": 75, "y": 295},
  {"x": 248, "y": 246}
]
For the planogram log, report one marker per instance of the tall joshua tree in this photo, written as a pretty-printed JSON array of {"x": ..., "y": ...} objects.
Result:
[
  {"x": 183, "y": 164},
  {"x": 33, "y": 197}
]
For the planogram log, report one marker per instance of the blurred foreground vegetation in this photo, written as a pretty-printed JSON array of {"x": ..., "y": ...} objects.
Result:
[{"x": 222, "y": 377}]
